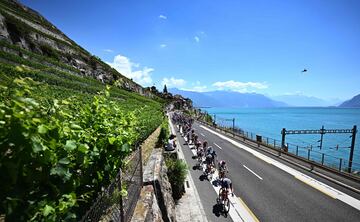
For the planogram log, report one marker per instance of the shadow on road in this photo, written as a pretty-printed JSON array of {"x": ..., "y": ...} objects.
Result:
[
  {"x": 217, "y": 210},
  {"x": 203, "y": 177}
]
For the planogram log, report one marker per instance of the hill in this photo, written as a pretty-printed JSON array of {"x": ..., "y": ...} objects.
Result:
[
  {"x": 67, "y": 120},
  {"x": 353, "y": 102},
  {"x": 228, "y": 99},
  {"x": 25, "y": 34}
]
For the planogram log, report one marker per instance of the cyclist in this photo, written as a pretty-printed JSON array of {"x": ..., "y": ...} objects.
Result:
[
  {"x": 213, "y": 154},
  {"x": 226, "y": 184},
  {"x": 222, "y": 168},
  {"x": 188, "y": 137},
  {"x": 209, "y": 150},
  {"x": 205, "y": 145},
  {"x": 198, "y": 145},
  {"x": 209, "y": 163},
  {"x": 192, "y": 137}
]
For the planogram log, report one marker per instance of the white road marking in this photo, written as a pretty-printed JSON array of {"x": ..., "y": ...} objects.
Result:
[
  {"x": 322, "y": 187},
  {"x": 253, "y": 172},
  {"x": 217, "y": 146},
  {"x": 202, "y": 134}
]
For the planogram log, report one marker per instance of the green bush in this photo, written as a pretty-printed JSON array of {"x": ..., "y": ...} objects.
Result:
[
  {"x": 177, "y": 170},
  {"x": 164, "y": 133}
]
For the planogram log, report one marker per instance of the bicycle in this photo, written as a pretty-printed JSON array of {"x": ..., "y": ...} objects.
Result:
[{"x": 223, "y": 200}]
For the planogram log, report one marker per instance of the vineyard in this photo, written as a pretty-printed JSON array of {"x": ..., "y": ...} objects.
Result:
[
  {"x": 63, "y": 137},
  {"x": 64, "y": 133}
]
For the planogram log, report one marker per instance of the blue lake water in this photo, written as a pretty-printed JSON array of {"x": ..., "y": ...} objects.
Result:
[{"x": 269, "y": 122}]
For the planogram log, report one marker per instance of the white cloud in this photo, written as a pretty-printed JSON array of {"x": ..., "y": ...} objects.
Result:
[
  {"x": 172, "y": 82},
  {"x": 108, "y": 50},
  {"x": 196, "y": 89},
  {"x": 162, "y": 17},
  {"x": 163, "y": 45},
  {"x": 123, "y": 65},
  {"x": 240, "y": 86},
  {"x": 197, "y": 39}
]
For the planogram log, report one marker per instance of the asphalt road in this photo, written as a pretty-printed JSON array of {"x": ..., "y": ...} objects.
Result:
[{"x": 270, "y": 193}]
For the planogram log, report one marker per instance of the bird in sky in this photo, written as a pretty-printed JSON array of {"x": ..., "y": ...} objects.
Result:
[{"x": 305, "y": 70}]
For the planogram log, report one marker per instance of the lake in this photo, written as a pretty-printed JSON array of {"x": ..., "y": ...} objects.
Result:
[{"x": 269, "y": 122}]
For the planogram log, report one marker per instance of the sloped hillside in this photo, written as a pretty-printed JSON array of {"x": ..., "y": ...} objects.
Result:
[
  {"x": 63, "y": 132},
  {"x": 22, "y": 28},
  {"x": 352, "y": 103}
]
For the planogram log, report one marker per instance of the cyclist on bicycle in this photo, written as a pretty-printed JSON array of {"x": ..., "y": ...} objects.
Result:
[
  {"x": 209, "y": 150},
  {"x": 198, "y": 145},
  {"x": 205, "y": 145},
  {"x": 222, "y": 168},
  {"x": 209, "y": 163},
  {"x": 227, "y": 185}
]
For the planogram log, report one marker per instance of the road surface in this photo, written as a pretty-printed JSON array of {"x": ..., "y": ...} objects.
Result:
[{"x": 268, "y": 188}]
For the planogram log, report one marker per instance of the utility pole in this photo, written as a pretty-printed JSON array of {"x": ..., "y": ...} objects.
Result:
[
  {"x": 321, "y": 136},
  {"x": 283, "y": 133},
  {"x": 353, "y": 136}
]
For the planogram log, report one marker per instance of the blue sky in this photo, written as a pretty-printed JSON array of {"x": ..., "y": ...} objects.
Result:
[{"x": 247, "y": 46}]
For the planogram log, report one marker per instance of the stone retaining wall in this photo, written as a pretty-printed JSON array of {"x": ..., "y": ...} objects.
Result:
[{"x": 156, "y": 202}]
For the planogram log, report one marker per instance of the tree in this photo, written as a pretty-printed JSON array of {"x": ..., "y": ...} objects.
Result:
[{"x": 165, "y": 89}]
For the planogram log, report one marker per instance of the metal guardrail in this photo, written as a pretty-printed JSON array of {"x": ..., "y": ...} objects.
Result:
[
  {"x": 114, "y": 203},
  {"x": 301, "y": 152}
]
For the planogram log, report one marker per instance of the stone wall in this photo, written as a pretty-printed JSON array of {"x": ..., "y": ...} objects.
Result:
[{"x": 156, "y": 202}]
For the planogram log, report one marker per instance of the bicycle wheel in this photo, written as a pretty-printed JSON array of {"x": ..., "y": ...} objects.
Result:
[{"x": 226, "y": 205}]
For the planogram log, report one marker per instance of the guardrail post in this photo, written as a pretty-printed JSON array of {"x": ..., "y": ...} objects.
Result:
[
  {"x": 308, "y": 154},
  {"x": 297, "y": 150}
]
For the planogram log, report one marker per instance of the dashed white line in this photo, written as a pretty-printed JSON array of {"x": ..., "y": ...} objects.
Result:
[
  {"x": 202, "y": 134},
  {"x": 217, "y": 146},
  {"x": 253, "y": 172}
]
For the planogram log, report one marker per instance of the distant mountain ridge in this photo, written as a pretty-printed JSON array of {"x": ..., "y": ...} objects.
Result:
[
  {"x": 305, "y": 101},
  {"x": 353, "y": 102},
  {"x": 228, "y": 99}
]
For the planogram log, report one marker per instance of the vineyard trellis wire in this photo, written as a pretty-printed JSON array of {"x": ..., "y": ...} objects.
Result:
[{"x": 117, "y": 202}]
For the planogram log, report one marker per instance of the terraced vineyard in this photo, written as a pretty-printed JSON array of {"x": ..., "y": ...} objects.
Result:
[{"x": 63, "y": 136}]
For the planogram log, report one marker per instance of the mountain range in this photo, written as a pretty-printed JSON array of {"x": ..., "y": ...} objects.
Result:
[
  {"x": 306, "y": 101},
  {"x": 354, "y": 102},
  {"x": 231, "y": 99},
  {"x": 228, "y": 99}
]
